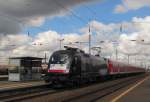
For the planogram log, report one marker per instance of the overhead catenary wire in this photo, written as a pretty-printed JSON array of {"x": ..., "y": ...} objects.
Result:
[
  {"x": 72, "y": 12},
  {"x": 95, "y": 16},
  {"x": 77, "y": 16}
]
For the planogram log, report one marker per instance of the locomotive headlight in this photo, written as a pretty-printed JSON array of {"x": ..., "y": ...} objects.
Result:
[
  {"x": 51, "y": 66},
  {"x": 67, "y": 71}
]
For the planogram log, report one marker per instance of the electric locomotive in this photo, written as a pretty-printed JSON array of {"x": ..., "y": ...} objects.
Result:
[{"x": 74, "y": 66}]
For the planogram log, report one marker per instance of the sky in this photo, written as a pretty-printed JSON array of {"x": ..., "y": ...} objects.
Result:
[
  {"x": 102, "y": 11},
  {"x": 33, "y": 27}
]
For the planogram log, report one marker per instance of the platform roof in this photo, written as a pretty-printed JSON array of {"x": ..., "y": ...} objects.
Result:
[{"x": 27, "y": 58}]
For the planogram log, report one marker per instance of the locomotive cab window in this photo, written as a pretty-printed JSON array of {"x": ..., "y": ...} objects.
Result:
[{"x": 59, "y": 61}]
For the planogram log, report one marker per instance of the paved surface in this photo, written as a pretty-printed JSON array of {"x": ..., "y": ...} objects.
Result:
[
  {"x": 5, "y": 85},
  {"x": 136, "y": 92},
  {"x": 139, "y": 94}
]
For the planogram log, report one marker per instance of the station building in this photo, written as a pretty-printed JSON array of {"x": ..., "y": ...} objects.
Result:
[{"x": 24, "y": 68}]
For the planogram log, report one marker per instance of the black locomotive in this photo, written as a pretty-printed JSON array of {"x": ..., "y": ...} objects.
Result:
[{"x": 74, "y": 66}]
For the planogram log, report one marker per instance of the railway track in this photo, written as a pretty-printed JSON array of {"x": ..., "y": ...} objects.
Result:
[
  {"x": 94, "y": 95},
  {"x": 24, "y": 92},
  {"x": 89, "y": 93}
]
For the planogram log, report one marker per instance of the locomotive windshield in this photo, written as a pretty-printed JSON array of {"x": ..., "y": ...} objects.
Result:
[
  {"x": 59, "y": 59},
  {"x": 59, "y": 62}
]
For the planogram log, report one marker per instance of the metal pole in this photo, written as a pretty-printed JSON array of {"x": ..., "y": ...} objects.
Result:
[
  {"x": 89, "y": 44},
  {"x": 128, "y": 59},
  {"x": 99, "y": 52},
  {"x": 60, "y": 43},
  {"x": 89, "y": 40},
  {"x": 45, "y": 57},
  {"x": 116, "y": 54}
]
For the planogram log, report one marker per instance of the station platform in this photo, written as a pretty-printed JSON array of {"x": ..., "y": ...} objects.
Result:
[
  {"x": 3, "y": 77},
  {"x": 140, "y": 92},
  {"x": 136, "y": 92},
  {"x": 8, "y": 85}
]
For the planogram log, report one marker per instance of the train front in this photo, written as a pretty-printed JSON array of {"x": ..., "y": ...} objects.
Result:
[{"x": 58, "y": 68}]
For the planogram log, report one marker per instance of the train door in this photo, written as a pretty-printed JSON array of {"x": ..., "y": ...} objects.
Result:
[{"x": 76, "y": 66}]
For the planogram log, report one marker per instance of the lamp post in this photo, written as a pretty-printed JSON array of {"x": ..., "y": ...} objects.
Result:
[{"x": 60, "y": 43}]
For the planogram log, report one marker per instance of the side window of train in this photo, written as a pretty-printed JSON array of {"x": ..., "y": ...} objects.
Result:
[
  {"x": 75, "y": 60},
  {"x": 76, "y": 63},
  {"x": 83, "y": 65},
  {"x": 73, "y": 65},
  {"x": 87, "y": 64}
]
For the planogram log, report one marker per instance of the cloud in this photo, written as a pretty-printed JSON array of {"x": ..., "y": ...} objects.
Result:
[
  {"x": 137, "y": 29},
  {"x": 131, "y": 5},
  {"x": 120, "y": 9},
  {"x": 9, "y": 42},
  {"x": 36, "y": 22},
  {"x": 23, "y": 45},
  {"x": 103, "y": 31},
  {"x": 8, "y": 26},
  {"x": 48, "y": 41},
  {"x": 137, "y": 47},
  {"x": 16, "y": 14},
  {"x": 142, "y": 23}
]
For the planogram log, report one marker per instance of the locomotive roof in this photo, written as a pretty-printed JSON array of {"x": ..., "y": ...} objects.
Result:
[
  {"x": 63, "y": 52},
  {"x": 71, "y": 52}
]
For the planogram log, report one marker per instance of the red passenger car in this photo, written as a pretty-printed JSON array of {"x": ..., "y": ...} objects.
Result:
[{"x": 115, "y": 67}]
